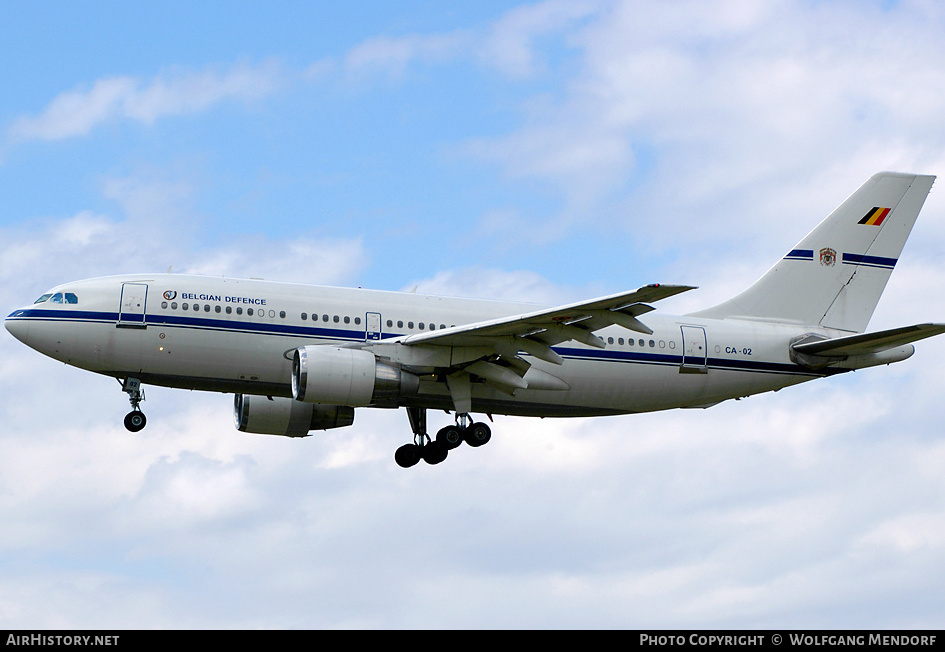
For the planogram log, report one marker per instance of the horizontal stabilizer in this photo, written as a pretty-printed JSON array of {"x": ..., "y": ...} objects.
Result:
[{"x": 867, "y": 343}]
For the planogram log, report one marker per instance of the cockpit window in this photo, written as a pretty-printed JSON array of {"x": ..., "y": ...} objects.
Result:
[{"x": 58, "y": 297}]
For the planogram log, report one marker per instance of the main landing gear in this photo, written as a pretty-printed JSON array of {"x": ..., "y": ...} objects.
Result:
[
  {"x": 435, "y": 451},
  {"x": 134, "y": 420}
]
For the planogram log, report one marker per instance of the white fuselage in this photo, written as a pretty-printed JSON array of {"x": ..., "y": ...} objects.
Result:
[{"x": 238, "y": 336}]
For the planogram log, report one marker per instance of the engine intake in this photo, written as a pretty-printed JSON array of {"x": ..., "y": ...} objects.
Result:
[
  {"x": 275, "y": 415},
  {"x": 352, "y": 377}
]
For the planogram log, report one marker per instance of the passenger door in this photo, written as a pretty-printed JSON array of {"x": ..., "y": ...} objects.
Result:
[
  {"x": 133, "y": 306},
  {"x": 372, "y": 327},
  {"x": 694, "y": 350}
]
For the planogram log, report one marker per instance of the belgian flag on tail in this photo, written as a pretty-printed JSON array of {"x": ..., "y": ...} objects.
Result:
[{"x": 875, "y": 216}]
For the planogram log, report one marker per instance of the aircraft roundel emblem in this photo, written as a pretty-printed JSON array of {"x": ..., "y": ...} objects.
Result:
[{"x": 170, "y": 295}]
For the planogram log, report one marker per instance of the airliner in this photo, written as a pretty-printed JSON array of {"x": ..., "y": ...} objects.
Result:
[{"x": 302, "y": 358}]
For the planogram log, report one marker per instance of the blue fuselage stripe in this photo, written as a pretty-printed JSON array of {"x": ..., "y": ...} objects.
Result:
[{"x": 251, "y": 327}]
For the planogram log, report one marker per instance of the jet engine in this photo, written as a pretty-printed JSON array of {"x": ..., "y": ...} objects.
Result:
[
  {"x": 352, "y": 377},
  {"x": 264, "y": 415}
]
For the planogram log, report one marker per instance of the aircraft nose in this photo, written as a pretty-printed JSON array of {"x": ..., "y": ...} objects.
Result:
[{"x": 18, "y": 327}]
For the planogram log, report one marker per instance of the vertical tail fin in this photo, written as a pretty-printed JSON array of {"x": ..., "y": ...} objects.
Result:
[{"x": 835, "y": 276}]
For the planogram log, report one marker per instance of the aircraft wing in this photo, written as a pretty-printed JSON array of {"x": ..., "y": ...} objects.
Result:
[
  {"x": 841, "y": 347},
  {"x": 488, "y": 351},
  {"x": 575, "y": 321}
]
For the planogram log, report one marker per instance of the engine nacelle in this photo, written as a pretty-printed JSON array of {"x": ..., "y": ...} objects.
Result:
[
  {"x": 352, "y": 377},
  {"x": 275, "y": 415}
]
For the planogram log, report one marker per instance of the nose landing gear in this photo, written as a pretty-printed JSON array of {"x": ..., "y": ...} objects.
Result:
[{"x": 135, "y": 420}]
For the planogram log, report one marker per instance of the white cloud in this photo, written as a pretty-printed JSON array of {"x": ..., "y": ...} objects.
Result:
[
  {"x": 478, "y": 283},
  {"x": 155, "y": 232},
  {"x": 510, "y": 44},
  {"x": 321, "y": 261},
  {"x": 392, "y": 55},
  {"x": 75, "y": 113},
  {"x": 78, "y": 112},
  {"x": 693, "y": 121}
]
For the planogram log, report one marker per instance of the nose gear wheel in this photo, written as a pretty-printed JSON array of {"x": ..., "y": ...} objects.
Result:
[{"x": 135, "y": 420}]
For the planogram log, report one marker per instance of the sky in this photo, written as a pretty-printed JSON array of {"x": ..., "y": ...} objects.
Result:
[{"x": 546, "y": 151}]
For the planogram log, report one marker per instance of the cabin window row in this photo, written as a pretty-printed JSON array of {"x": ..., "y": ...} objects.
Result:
[
  {"x": 420, "y": 325},
  {"x": 333, "y": 318},
  {"x": 261, "y": 312},
  {"x": 229, "y": 310},
  {"x": 641, "y": 343}
]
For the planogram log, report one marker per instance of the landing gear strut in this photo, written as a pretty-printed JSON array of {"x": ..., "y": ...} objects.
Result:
[
  {"x": 431, "y": 452},
  {"x": 448, "y": 438},
  {"x": 134, "y": 420}
]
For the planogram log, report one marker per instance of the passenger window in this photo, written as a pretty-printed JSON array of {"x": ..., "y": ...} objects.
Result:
[
  {"x": 239, "y": 310},
  {"x": 347, "y": 320},
  {"x": 400, "y": 324},
  {"x": 173, "y": 305},
  {"x": 421, "y": 325},
  {"x": 390, "y": 323},
  {"x": 164, "y": 305},
  {"x": 185, "y": 306},
  {"x": 249, "y": 311},
  {"x": 357, "y": 320},
  {"x": 229, "y": 310},
  {"x": 217, "y": 309},
  {"x": 304, "y": 316},
  {"x": 206, "y": 307},
  {"x": 335, "y": 319},
  {"x": 282, "y": 314}
]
